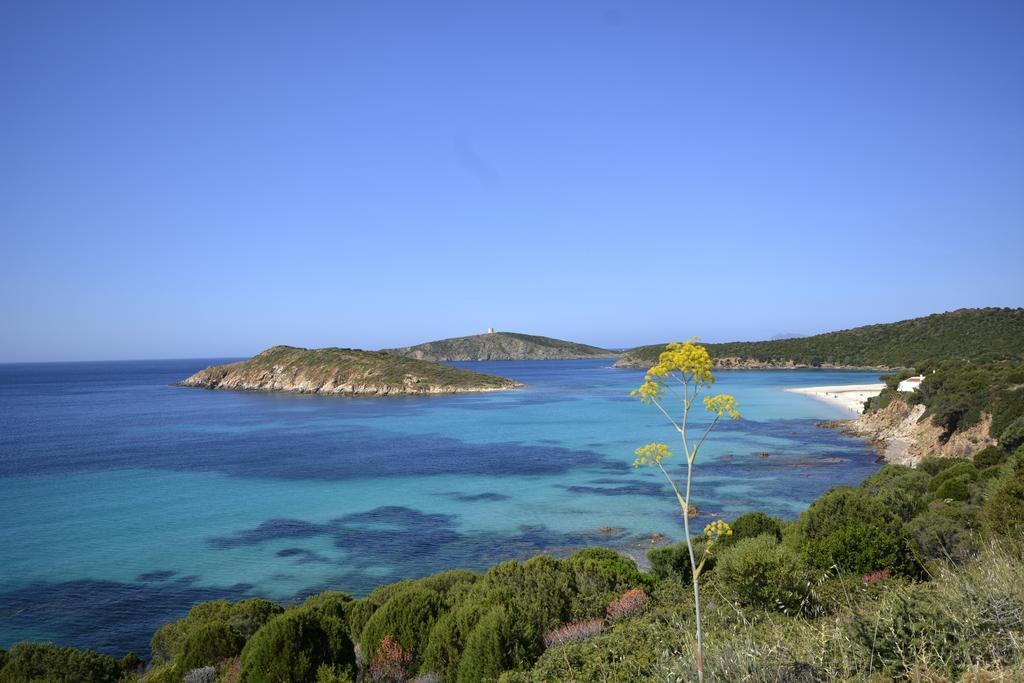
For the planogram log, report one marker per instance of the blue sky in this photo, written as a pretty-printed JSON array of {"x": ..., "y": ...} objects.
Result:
[{"x": 208, "y": 179}]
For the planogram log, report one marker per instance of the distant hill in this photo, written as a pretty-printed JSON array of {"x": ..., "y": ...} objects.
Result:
[
  {"x": 342, "y": 372},
  {"x": 970, "y": 334},
  {"x": 501, "y": 346}
]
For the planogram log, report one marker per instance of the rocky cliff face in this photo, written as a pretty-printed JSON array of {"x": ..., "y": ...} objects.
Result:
[
  {"x": 343, "y": 372},
  {"x": 501, "y": 346},
  {"x": 904, "y": 438}
]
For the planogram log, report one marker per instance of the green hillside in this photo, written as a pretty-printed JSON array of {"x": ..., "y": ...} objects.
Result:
[
  {"x": 502, "y": 346},
  {"x": 977, "y": 335}
]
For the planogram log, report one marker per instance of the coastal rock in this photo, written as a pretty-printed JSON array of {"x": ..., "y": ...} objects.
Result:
[
  {"x": 343, "y": 372},
  {"x": 902, "y": 437}
]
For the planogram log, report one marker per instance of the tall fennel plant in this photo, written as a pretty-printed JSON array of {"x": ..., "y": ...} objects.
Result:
[{"x": 682, "y": 374}]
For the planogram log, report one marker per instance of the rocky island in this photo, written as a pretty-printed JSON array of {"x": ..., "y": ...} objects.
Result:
[
  {"x": 501, "y": 346},
  {"x": 343, "y": 372}
]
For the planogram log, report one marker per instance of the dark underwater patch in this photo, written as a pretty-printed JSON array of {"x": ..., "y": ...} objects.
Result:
[
  {"x": 475, "y": 497},
  {"x": 303, "y": 556},
  {"x": 410, "y": 543},
  {"x": 106, "y": 616},
  {"x": 163, "y": 575}
]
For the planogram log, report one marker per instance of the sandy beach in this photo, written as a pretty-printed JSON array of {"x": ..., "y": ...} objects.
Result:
[{"x": 848, "y": 396}]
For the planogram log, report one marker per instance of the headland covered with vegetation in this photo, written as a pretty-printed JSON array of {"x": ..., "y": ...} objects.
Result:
[
  {"x": 342, "y": 372},
  {"x": 502, "y": 346},
  {"x": 912, "y": 575},
  {"x": 974, "y": 335}
]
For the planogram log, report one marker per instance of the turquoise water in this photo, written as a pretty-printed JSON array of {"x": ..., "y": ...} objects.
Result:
[{"x": 124, "y": 500}]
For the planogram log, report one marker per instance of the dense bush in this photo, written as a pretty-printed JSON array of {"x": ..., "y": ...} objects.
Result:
[
  {"x": 1004, "y": 506},
  {"x": 963, "y": 471},
  {"x": 990, "y": 457},
  {"x": 849, "y": 529},
  {"x": 448, "y": 637},
  {"x": 207, "y": 645},
  {"x": 244, "y": 617},
  {"x": 407, "y": 617},
  {"x": 492, "y": 647},
  {"x": 1012, "y": 437},
  {"x": 760, "y": 572},
  {"x": 953, "y": 489},
  {"x": 673, "y": 561},
  {"x": 900, "y": 488},
  {"x": 932, "y": 465},
  {"x": 629, "y": 604},
  {"x": 292, "y": 647},
  {"x": 35, "y": 662},
  {"x": 753, "y": 524},
  {"x": 947, "y": 532}
]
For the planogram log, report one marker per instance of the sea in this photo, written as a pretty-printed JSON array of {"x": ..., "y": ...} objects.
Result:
[{"x": 125, "y": 500}]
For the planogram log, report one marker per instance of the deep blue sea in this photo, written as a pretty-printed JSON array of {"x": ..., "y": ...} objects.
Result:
[{"x": 124, "y": 500}]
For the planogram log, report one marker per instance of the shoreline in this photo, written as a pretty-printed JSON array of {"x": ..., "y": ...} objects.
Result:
[{"x": 850, "y": 397}]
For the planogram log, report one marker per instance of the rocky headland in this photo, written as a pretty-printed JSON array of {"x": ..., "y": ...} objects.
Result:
[
  {"x": 501, "y": 346},
  {"x": 343, "y": 372},
  {"x": 902, "y": 437}
]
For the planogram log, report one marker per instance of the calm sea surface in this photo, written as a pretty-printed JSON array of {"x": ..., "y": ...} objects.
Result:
[{"x": 123, "y": 500}]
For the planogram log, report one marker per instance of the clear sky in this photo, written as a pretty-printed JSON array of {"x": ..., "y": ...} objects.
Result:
[{"x": 208, "y": 179}]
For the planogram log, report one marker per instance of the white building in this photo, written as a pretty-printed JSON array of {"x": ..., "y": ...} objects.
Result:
[
  {"x": 911, "y": 383},
  {"x": 490, "y": 330}
]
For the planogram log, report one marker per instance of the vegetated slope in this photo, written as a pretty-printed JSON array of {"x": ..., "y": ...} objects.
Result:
[
  {"x": 501, "y": 346},
  {"x": 970, "y": 334},
  {"x": 342, "y": 372},
  {"x": 868, "y": 583}
]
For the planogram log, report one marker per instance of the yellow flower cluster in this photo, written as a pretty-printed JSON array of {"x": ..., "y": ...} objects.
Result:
[
  {"x": 714, "y": 531},
  {"x": 650, "y": 390},
  {"x": 689, "y": 358},
  {"x": 720, "y": 405},
  {"x": 651, "y": 454}
]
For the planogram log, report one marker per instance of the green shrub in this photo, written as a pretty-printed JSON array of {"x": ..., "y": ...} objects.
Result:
[
  {"x": 899, "y": 488},
  {"x": 359, "y": 613},
  {"x": 37, "y": 662},
  {"x": 293, "y": 646},
  {"x": 245, "y": 617},
  {"x": 447, "y": 639},
  {"x": 932, "y": 465},
  {"x": 947, "y": 532},
  {"x": 897, "y": 476},
  {"x": 207, "y": 645},
  {"x": 491, "y": 648},
  {"x": 989, "y": 457},
  {"x": 407, "y": 617},
  {"x": 1003, "y": 509},
  {"x": 450, "y": 585},
  {"x": 599, "y": 575},
  {"x": 961, "y": 470},
  {"x": 1012, "y": 437},
  {"x": 759, "y": 572},
  {"x": 853, "y": 531},
  {"x": 752, "y": 525},
  {"x": 953, "y": 489},
  {"x": 673, "y": 561},
  {"x": 1008, "y": 410},
  {"x": 333, "y": 674}
]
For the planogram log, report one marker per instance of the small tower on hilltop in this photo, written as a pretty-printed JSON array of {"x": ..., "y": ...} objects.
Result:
[{"x": 490, "y": 330}]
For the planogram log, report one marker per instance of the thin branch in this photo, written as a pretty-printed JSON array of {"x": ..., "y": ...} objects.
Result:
[{"x": 665, "y": 413}]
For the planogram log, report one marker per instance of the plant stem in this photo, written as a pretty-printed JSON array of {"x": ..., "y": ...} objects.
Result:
[{"x": 693, "y": 568}]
